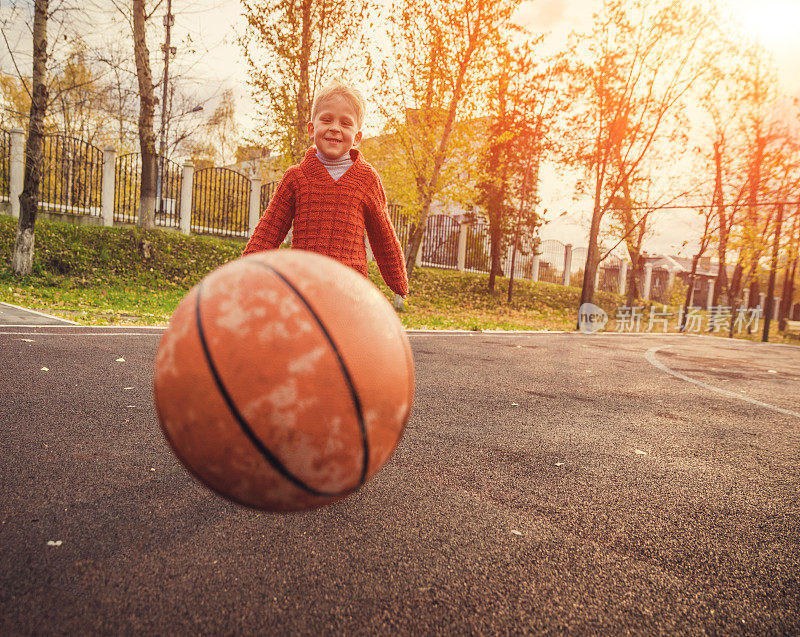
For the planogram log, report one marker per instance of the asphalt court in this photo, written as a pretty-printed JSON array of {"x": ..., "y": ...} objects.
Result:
[{"x": 546, "y": 483}]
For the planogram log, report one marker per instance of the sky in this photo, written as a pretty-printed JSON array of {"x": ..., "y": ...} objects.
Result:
[{"x": 211, "y": 61}]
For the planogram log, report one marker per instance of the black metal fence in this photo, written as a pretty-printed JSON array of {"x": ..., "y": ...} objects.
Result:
[
  {"x": 267, "y": 190},
  {"x": 608, "y": 280},
  {"x": 440, "y": 247},
  {"x": 5, "y": 165},
  {"x": 220, "y": 202},
  {"x": 127, "y": 188},
  {"x": 551, "y": 261},
  {"x": 401, "y": 223},
  {"x": 127, "y": 181},
  {"x": 72, "y": 176},
  {"x": 478, "y": 248},
  {"x": 168, "y": 198}
]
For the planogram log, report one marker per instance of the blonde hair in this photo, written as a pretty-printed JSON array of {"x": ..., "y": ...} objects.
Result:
[{"x": 352, "y": 95}]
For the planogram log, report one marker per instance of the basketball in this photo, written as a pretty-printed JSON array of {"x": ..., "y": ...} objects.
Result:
[{"x": 284, "y": 380}]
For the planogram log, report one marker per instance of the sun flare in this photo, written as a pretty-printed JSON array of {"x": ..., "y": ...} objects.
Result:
[{"x": 774, "y": 23}]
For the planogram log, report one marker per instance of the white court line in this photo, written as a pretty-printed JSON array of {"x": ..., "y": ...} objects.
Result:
[
  {"x": 88, "y": 327},
  {"x": 25, "y": 309},
  {"x": 650, "y": 355},
  {"x": 2, "y": 333},
  {"x": 424, "y": 332}
]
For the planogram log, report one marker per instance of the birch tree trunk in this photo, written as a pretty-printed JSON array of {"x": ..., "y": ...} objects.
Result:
[
  {"x": 147, "y": 136},
  {"x": 22, "y": 257}
]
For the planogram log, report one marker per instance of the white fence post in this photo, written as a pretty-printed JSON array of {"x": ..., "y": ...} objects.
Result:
[
  {"x": 418, "y": 261},
  {"x": 567, "y": 264},
  {"x": 255, "y": 202},
  {"x": 597, "y": 277},
  {"x": 648, "y": 279},
  {"x": 462, "y": 246},
  {"x": 185, "y": 213},
  {"x": 776, "y": 307},
  {"x": 109, "y": 165},
  {"x": 623, "y": 276},
  {"x": 710, "y": 297},
  {"x": 535, "y": 268},
  {"x": 17, "y": 169}
]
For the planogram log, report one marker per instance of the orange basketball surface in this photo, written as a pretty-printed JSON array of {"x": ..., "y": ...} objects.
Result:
[{"x": 284, "y": 380}]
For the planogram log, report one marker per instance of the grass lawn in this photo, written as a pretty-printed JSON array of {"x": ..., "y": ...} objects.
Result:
[{"x": 96, "y": 276}]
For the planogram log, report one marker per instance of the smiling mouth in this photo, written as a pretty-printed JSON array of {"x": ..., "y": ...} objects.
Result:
[{"x": 328, "y": 139}]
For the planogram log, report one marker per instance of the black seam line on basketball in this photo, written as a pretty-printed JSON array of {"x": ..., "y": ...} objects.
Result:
[
  {"x": 349, "y": 379},
  {"x": 246, "y": 429}
]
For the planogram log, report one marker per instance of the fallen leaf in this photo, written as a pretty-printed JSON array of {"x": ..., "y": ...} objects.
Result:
[
  {"x": 120, "y": 360},
  {"x": 127, "y": 388},
  {"x": 560, "y": 464},
  {"x": 45, "y": 369},
  {"x": 515, "y": 532},
  {"x": 515, "y": 404},
  {"x": 640, "y": 452},
  {"x": 27, "y": 340},
  {"x": 771, "y": 371},
  {"x": 54, "y": 543}
]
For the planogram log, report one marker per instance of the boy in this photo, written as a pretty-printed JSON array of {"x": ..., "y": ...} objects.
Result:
[{"x": 333, "y": 195}]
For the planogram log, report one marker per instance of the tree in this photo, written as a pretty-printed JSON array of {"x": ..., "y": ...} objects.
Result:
[
  {"x": 80, "y": 97},
  {"x": 786, "y": 185},
  {"x": 523, "y": 102},
  {"x": 705, "y": 240},
  {"x": 216, "y": 141},
  {"x": 22, "y": 257},
  {"x": 16, "y": 100},
  {"x": 147, "y": 101},
  {"x": 121, "y": 79},
  {"x": 790, "y": 273},
  {"x": 122, "y": 94},
  {"x": 291, "y": 48},
  {"x": 723, "y": 146},
  {"x": 776, "y": 243},
  {"x": 763, "y": 173},
  {"x": 78, "y": 93},
  {"x": 439, "y": 55},
  {"x": 645, "y": 57},
  {"x": 641, "y": 196}
]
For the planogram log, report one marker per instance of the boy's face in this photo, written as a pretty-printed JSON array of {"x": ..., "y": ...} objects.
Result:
[{"x": 335, "y": 128}]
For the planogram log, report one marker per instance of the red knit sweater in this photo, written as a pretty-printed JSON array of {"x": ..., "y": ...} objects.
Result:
[{"x": 330, "y": 217}]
